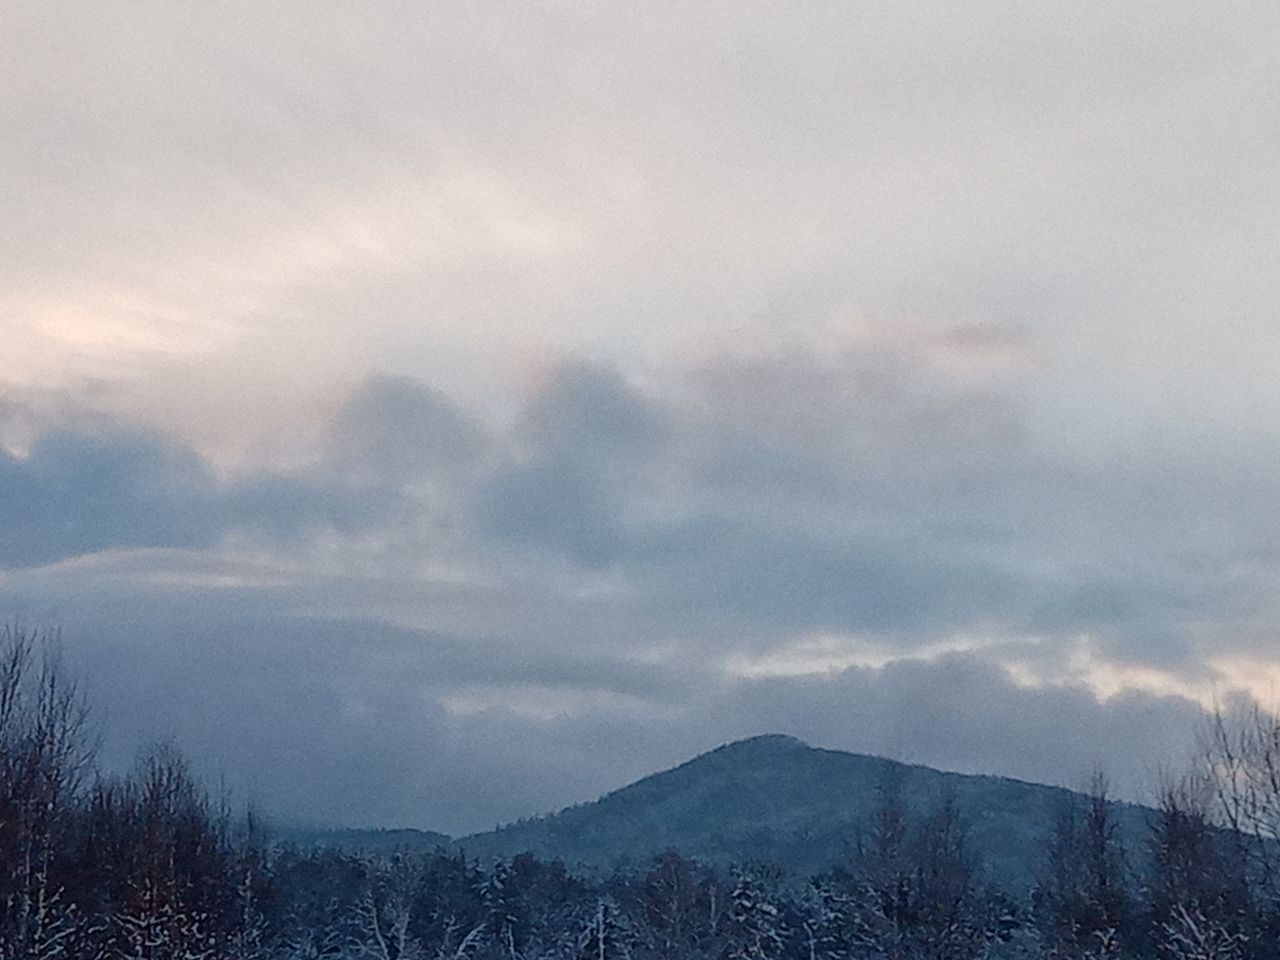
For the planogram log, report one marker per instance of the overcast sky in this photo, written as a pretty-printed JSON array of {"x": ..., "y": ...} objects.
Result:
[{"x": 434, "y": 414}]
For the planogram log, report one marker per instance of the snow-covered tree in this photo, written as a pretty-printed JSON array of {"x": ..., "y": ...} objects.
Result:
[
  {"x": 752, "y": 928},
  {"x": 606, "y": 935},
  {"x": 383, "y": 914},
  {"x": 1189, "y": 935}
]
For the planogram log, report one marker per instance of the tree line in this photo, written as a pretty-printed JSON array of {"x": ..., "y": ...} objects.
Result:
[{"x": 152, "y": 866}]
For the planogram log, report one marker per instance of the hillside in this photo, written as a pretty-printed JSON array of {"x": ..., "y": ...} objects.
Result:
[
  {"x": 355, "y": 840},
  {"x": 776, "y": 799}
]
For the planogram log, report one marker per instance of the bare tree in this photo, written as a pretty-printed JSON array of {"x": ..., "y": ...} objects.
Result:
[
  {"x": 1081, "y": 900},
  {"x": 1240, "y": 753},
  {"x": 45, "y": 751}
]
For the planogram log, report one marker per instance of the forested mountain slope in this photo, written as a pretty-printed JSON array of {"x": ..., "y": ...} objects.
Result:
[{"x": 776, "y": 799}]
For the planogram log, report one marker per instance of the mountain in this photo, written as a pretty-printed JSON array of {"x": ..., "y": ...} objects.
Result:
[
  {"x": 776, "y": 799},
  {"x": 355, "y": 840}
]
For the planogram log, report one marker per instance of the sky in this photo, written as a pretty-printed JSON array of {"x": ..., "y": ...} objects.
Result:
[{"x": 435, "y": 414}]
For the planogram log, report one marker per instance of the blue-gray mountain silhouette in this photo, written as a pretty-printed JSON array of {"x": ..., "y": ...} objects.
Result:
[{"x": 775, "y": 799}]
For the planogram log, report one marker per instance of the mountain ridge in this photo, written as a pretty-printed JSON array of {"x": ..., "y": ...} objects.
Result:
[{"x": 775, "y": 798}]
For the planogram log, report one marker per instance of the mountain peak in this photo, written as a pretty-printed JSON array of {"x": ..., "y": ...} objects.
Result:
[{"x": 764, "y": 743}]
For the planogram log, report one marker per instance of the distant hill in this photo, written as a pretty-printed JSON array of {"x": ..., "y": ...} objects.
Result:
[
  {"x": 361, "y": 841},
  {"x": 776, "y": 799},
  {"x": 771, "y": 798}
]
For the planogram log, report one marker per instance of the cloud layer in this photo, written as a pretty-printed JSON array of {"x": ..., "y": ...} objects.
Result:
[
  {"x": 387, "y": 403},
  {"x": 866, "y": 545}
]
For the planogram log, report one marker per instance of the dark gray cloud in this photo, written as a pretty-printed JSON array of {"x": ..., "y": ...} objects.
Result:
[
  {"x": 961, "y": 713},
  {"x": 579, "y": 447},
  {"x": 744, "y": 570},
  {"x": 83, "y": 490},
  {"x": 616, "y": 559},
  {"x": 342, "y": 720},
  {"x": 616, "y": 554},
  {"x": 398, "y": 430},
  {"x": 352, "y": 720},
  {"x": 893, "y": 487},
  {"x": 76, "y": 494}
]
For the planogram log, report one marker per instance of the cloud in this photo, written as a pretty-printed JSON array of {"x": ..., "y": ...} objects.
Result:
[
  {"x": 592, "y": 348},
  {"x": 881, "y": 484},
  {"x": 751, "y": 573},
  {"x": 76, "y": 493},
  {"x": 962, "y": 712},
  {"x": 577, "y": 445},
  {"x": 357, "y": 720},
  {"x": 396, "y": 430},
  {"x": 253, "y": 189},
  {"x": 431, "y": 590}
]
